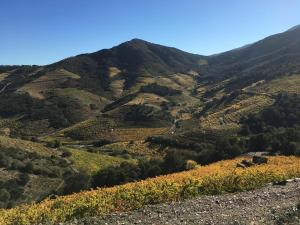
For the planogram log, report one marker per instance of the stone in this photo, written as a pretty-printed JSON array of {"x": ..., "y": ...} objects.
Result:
[
  {"x": 240, "y": 165},
  {"x": 283, "y": 182},
  {"x": 247, "y": 163},
  {"x": 259, "y": 160}
]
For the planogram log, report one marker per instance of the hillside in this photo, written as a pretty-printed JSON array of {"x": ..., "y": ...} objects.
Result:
[
  {"x": 213, "y": 179},
  {"x": 272, "y": 205},
  {"x": 142, "y": 73},
  {"x": 139, "y": 112}
]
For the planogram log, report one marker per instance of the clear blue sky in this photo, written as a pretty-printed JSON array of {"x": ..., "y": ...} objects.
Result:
[{"x": 44, "y": 31}]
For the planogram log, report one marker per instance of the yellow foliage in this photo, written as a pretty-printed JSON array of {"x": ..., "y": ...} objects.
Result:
[
  {"x": 91, "y": 163},
  {"x": 216, "y": 178}
]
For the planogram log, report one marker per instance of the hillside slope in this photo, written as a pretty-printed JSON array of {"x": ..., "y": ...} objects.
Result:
[
  {"x": 139, "y": 73},
  {"x": 270, "y": 205},
  {"x": 216, "y": 178},
  {"x": 140, "y": 110},
  {"x": 266, "y": 59}
]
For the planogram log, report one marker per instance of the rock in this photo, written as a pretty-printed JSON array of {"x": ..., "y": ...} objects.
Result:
[
  {"x": 240, "y": 165},
  {"x": 283, "y": 182},
  {"x": 259, "y": 160},
  {"x": 5, "y": 132},
  {"x": 247, "y": 163},
  {"x": 290, "y": 180}
]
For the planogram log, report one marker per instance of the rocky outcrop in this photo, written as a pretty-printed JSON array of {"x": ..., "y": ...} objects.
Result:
[{"x": 256, "y": 160}]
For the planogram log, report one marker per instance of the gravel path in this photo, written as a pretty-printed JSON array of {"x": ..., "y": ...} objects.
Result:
[{"x": 261, "y": 206}]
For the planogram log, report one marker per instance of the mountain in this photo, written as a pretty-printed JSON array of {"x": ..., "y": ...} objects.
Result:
[
  {"x": 294, "y": 28},
  {"x": 140, "y": 110},
  {"x": 273, "y": 56},
  {"x": 87, "y": 83},
  {"x": 166, "y": 80},
  {"x": 131, "y": 60}
]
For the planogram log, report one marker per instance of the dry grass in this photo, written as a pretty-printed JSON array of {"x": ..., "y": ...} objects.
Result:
[
  {"x": 113, "y": 72},
  {"x": 26, "y": 146},
  {"x": 3, "y": 76},
  {"x": 147, "y": 98},
  {"x": 49, "y": 81},
  {"x": 117, "y": 87}
]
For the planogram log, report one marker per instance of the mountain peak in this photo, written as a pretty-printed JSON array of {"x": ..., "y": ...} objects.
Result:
[
  {"x": 137, "y": 40},
  {"x": 294, "y": 28}
]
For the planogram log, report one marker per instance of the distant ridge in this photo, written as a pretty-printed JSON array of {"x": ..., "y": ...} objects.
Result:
[{"x": 294, "y": 28}]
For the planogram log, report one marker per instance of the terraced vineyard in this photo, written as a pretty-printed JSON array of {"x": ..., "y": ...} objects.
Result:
[
  {"x": 89, "y": 128},
  {"x": 217, "y": 178},
  {"x": 133, "y": 148},
  {"x": 27, "y": 146},
  {"x": 229, "y": 116},
  {"x": 104, "y": 128},
  {"x": 96, "y": 161},
  {"x": 286, "y": 84},
  {"x": 50, "y": 80}
]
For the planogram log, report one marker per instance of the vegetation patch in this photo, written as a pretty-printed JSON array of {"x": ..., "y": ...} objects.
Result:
[
  {"x": 275, "y": 129},
  {"x": 159, "y": 90},
  {"x": 91, "y": 163},
  {"x": 213, "y": 179}
]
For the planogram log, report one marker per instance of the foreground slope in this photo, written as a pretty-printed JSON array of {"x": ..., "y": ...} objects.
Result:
[
  {"x": 217, "y": 178},
  {"x": 140, "y": 101},
  {"x": 271, "y": 205}
]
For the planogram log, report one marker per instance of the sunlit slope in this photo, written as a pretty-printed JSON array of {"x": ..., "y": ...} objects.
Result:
[
  {"x": 91, "y": 163},
  {"x": 51, "y": 80},
  {"x": 213, "y": 179},
  {"x": 27, "y": 146}
]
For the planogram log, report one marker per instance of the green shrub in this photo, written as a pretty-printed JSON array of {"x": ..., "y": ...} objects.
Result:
[
  {"x": 23, "y": 179},
  {"x": 4, "y": 195},
  {"x": 190, "y": 164},
  {"x": 54, "y": 144}
]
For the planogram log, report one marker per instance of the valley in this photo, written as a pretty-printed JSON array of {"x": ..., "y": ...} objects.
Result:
[{"x": 144, "y": 124}]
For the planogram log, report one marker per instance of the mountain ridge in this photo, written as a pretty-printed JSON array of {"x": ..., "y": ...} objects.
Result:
[
  {"x": 141, "y": 110},
  {"x": 117, "y": 75}
]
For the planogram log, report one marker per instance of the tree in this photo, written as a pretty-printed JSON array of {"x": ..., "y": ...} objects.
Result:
[{"x": 4, "y": 195}]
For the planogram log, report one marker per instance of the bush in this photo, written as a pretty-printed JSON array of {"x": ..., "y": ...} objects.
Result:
[
  {"x": 29, "y": 167},
  {"x": 153, "y": 171},
  {"x": 144, "y": 113},
  {"x": 174, "y": 161},
  {"x": 34, "y": 139},
  {"x": 159, "y": 90},
  {"x": 77, "y": 182},
  {"x": 111, "y": 176},
  {"x": 190, "y": 164},
  {"x": 101, "y": 142},
  {"x": 4, "y": 195},
  {"x": 93, "y": 107},
  {"x": 23, "y": 179},
  {"x": 66, "y": 154},
  {"x": 5, "y": 161},
  {"x": 54, "y": 144}
]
